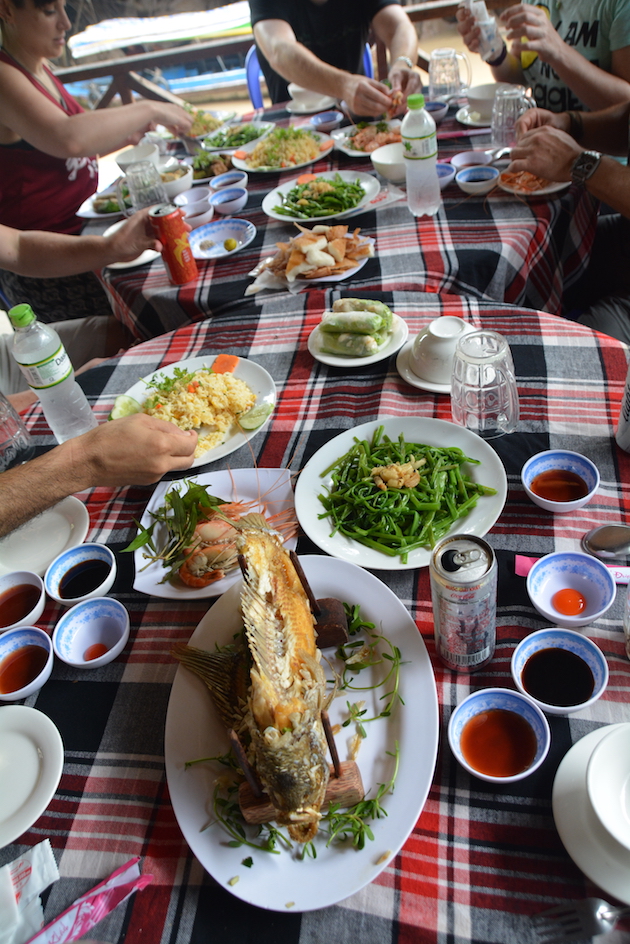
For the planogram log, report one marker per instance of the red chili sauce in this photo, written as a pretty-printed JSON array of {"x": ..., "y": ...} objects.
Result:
[{"x": 498, "y": 743}]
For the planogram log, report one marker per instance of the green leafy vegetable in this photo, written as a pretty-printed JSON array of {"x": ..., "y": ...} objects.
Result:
[{"x": 312, "y": 199}]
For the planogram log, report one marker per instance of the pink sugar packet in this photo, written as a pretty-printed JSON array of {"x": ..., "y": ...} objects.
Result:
[
  {"x": 523, "y": 565},
  {"x": 92, "y": 907}
]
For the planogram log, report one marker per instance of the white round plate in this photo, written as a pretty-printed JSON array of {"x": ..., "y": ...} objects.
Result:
[
  {"x": 147, "y": 256},
  {"x": 396, "y": 339},
  {"x": 241, "y": 164},
  {"x": 463, "y": 115},
  {"x": 553, "y": 187},
  {"x": 255, "y": 376},
  {"x": 311, "y": 484},
  {"x": 282, "y": 882},
  {"x": 343, "y": 142},
  {"x": 218, "y": 231},
  {"x": 36, "y": 544},
  {"x": 605, "y": 861},
  {"x": 369, "y": 183},
  {"x": 326, "y": 102},
  {"x": 87, "y": 212},
  {"x": 264, "y": 128},
  {"x": 31, "y": 763},
  {"x": 269, "y": 486},
  {"x": 405, "y": 371},
  {"x": 224, "y": 116}
]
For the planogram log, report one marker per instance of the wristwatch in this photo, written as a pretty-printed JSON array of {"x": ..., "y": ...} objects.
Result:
[{"x": 584, "y": 166}]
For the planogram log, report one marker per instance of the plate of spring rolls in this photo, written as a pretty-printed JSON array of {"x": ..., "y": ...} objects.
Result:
[{"x": 357, "y": 332}]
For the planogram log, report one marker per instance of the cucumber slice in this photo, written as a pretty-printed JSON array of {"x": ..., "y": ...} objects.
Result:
[
  {"x": 256, "y": 416},
  {"x": 124, "y": 406}
]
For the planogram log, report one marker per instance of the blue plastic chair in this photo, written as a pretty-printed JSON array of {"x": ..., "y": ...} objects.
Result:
[{"x": 254, "y": 75}]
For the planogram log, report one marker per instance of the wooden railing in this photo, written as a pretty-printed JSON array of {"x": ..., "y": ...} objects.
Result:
[{"x": 125, "y": 77}]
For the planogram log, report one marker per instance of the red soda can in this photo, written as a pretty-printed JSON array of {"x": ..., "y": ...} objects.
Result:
[{"x": 168, "y": 222}]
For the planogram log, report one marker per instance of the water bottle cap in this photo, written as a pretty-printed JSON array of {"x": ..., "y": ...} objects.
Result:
[
  {"x": 21, "y": 315},
  {"x": 416, "y": 101}
]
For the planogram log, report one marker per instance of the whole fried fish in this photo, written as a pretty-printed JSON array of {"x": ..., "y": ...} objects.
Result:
[{"x": 287, "y": 687}]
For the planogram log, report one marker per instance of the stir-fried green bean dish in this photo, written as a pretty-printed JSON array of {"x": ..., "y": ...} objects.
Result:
[
  {"x": 234, "y": 137},
  {"x": 396, "y": 497},
  {"x": 321, "y": 197}
]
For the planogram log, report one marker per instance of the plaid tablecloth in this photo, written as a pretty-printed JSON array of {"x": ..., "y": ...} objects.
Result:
[
  {"x": 496, "y": 247},
  {"x": 480, "y": 860}
]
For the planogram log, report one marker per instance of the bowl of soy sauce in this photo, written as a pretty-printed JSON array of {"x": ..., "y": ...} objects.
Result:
[{"x": 81, "y": 573}]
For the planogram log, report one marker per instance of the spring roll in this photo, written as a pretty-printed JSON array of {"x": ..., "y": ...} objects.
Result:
[
  {"x": 351, "y": 322},
  {"x": 365, "y": 304},
  {"x": 349, "y": 345}
]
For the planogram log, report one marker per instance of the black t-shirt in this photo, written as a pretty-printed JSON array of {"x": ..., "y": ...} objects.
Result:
[{"x": 335, "y": 31}]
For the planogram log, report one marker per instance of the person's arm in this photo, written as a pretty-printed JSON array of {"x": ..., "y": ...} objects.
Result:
[
  {"x": 594, "y": 87},
  {"x": 32, "y": 116},
  {"x": 295, "y": 63},
  {"x": 394, "y": 28},
  {"x": 46, "y": 255},
  {"x": 135, "y": 450}
]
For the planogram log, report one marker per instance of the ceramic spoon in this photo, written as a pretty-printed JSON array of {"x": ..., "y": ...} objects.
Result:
[{"x": 608, "y": 542}]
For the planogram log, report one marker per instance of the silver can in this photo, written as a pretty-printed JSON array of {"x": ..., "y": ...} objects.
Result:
[
  {"x": 623, "y": 426},
  {"x": 463, "y": 573}
]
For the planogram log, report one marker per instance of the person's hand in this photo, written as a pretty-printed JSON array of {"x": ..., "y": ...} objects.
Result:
[
  {"x": 174, "y": 117},
  {"x": 365, "y": 96},
  {"x": 546, "y": 152},
  {"x": 468, "y": 29},
  {"x": 539, "y": 118},
  {"x": 404, "y": 82},
  {"x": 131, "y": 239},
  {"x": 134, "y": 450},
  {"x": 533, "y": 24}
]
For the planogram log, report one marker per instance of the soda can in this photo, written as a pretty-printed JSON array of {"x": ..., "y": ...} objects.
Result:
[
  {"x": 463, "y": 572},
  {"x": 623, "y": 425},
  {"x": 168, "y": 222}
]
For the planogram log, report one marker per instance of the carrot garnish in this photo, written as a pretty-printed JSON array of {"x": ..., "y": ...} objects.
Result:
[{"x": 225, "y": 363}]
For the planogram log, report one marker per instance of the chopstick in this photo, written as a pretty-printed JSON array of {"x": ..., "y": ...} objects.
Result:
[{"x": 442, "y": 135}]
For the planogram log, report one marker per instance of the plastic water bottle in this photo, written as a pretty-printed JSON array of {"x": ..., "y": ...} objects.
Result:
[
  {"x": 45, "y": 364},
  {"x": 491, "y": 41},
  {"x": 420, "y": 153}
]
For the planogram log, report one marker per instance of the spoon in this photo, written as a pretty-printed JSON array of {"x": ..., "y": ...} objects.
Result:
[{"x": 608, "y": 541}]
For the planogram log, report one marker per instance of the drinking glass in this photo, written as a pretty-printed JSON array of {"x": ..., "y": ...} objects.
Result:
[
  {"x": 145, "y": 187},
  {"x": 444, "y": 77},
  {"x": 510, "y": 102},
  {"x": 484, "y": 396},
  {"x": 16, "y": 445}
]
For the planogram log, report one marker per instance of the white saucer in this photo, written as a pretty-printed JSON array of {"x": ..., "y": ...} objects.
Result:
[
  {"x": 36, "y": 544},
  {"x": 605, "y": 861},
  {"x": 463, "y": 115},
  {"x": 294, "y": 109},
  {"x": 31, "y": 763},
  {"x": 405, "y": 371}
]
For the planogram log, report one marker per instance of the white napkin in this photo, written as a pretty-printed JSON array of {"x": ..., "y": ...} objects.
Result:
[{"x": 21, "y": 883}]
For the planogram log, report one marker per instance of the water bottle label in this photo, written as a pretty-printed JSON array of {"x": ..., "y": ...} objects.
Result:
[
  {"x": 48, "y": 373},
  {"x": 419, "y": 149}
]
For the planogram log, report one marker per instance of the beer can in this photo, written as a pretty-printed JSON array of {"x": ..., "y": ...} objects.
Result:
[
  {"x": 463, "y": 572},
  {"x": 168, "y": 223},
  {"x": 623, "y": 425}
]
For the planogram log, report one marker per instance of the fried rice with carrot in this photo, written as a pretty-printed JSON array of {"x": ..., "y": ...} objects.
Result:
[{"x": 284, "y": 147}]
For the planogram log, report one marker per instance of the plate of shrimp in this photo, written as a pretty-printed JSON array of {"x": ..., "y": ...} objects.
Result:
[
  {"x": 524, "y": 184},
  {"x": 362, "y": 139},
  {"x": 209, "y": 565}
]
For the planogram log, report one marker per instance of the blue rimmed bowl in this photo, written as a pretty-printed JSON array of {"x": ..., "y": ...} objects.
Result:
[
  {"x": 477, "y": 179},
  {"x": 571, "y": 570},
  {"x": 564, "y": 460},
  {"x": 16, "y": 639},
  {"x": 446, "y": 173},
  {"x": 75, "y": 557},
  {"x": 102, "y": 623}
]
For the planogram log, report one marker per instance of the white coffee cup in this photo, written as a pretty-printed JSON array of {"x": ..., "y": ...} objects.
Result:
[
  {"x": 481, "y": 99},
  {"x": 431, "y": 355},
  {"x": 141, "y": 152}
]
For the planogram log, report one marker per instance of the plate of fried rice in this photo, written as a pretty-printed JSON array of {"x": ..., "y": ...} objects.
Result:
[
  {"x": 192, "y": 396},
  {"x": 282, "y": 149}
]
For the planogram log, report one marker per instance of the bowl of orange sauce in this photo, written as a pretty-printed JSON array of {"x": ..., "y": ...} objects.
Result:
[
  {"x": 571, "y": 589},
  {"x": 26, "y": 661},
  {"x": 92, "y": 633},
  {"x": 499, "y": 735},
  {"x": 561, "y": 670},
  {"x": 559, "y": 480}
]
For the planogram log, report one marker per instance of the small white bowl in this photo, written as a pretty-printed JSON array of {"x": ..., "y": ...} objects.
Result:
[
  {"x": 180, "y": 184},
  {"x": 233, "y": 178},
  {"x": 470, "y": 159},
  {"x": 608, "y": 783},
  {"x": 388, "y": 160},
  {"x": 326, "y": 121},
  {"x": 481, "y": 98},
  {"x": 490, "y": 699},
  {"x": 194, "y": 195},
  {"x": 197, "y": 219},
  {"x": 432, "y": 352},
  {"x": 571, "y": 570},
  {"x": 566, "y": 639},
  {"x": 141, "y": 152},
  {"x": 229, "y": 200},
  {"x": 19, "y": 638},
  {"x": 20, "y": 578},
  {"x": 98, "y": 622},
  {"x": 477, "y": 179},
  {"x": 445, "y": 173},
  {"x": 80, "y": 557},
  {"x": 437, "y": 110},
  {"x": 562, "y": 459}
]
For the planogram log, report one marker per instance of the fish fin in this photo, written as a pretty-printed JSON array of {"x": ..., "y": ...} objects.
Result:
[{"x": 225, "y": 674}]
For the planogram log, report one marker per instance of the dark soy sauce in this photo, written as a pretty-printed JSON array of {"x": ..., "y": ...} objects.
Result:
[
  {"x": 558, "y": 677},
  {"x": 21, "y": 667},
  {"x": 17, "y": 602},
  {"x": 83, "y": 578}
]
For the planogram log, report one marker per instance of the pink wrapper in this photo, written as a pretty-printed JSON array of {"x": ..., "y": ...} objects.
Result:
[{"x": 92, "y": 907}]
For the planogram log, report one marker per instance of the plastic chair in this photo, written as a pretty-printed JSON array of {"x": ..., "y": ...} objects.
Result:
[{"x": 253, "y": 73}]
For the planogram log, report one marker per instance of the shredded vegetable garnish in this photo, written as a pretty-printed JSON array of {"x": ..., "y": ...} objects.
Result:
[{"x": 399, "y": 518}]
